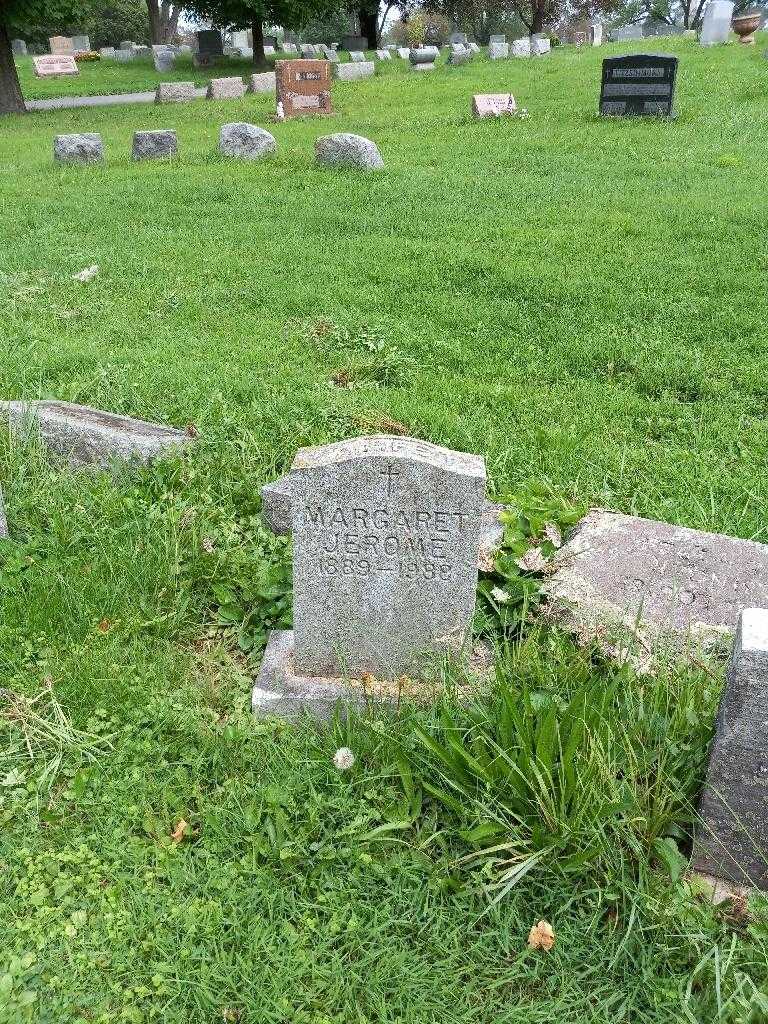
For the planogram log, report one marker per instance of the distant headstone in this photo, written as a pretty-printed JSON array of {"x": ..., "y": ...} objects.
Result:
[
  {"x": 307, "y": 51},
  {"x": 19, "y": 47},
  {"x": 626, "y": 33},
  {"x": 61, "y": 46},
  {"x": 81, "y": 44},
  {"x": 264, "y": 81},
  {"x": 209, "y": 43},
  {"x": 163, "y": 60},
  {"x": 386, "y": 536},
  {"x": 716, "y": 27},
  {"x": 666, "y": 582},
  {"x": 460, "y": 56},
  {"x": 497, "y": 39},
  {"x": 350, "y": 43},
  {"x": 498, "y": 51},
  {"x": 354, "y": 72},
  {"x": 290, "y": 48},
  {"x": 347, "y": 150},
  {"x": 240, "y": 40},
  {"x": 124, "y": 56},
  {"x": 80, "y": 148},
  {"x": 49, "y": 65},
  {"x": 540, "y": 45},
  {"x": 245, "y": 141},
  {"x": 732, "y": 837},
  {"x": 521, "y": 47},
  {"x": 107, "y": 51},
  {"x": 225, "y": 88},
  {"x": 403, "y": 52},
  {"x": 303, "y": 87},
  {"x": 175, "y": 92},
  {"x": 493, "y": 105},
  {"x": 127, "y": 44},
  {"x": 596, "y": 38},
  {"x": 154, "y": 145},
  {"x": 459, "y": 37},
  {"x": 357, "y": 56},
  {"x": 384, "y": 54},
  {"x": 83, "y": 435},
  {"x": 641, "y": 83},
  {"x": 142, "y": 51},
  {"x": 269, "y": 51},
  {"x": 474, "y": 47}
]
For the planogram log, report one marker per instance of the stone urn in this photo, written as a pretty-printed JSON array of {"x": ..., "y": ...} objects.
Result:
[{"x": 745, "y": 26}]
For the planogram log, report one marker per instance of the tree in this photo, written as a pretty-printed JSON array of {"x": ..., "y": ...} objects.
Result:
[
  {"x": 16, "y": 18},
  {"x": 163, "y": 20},
  {"x": 255, "y": 14}
]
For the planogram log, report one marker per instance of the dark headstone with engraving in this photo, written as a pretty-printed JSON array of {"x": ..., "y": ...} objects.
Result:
[
  {"x": 303, "y": 87},
  {"x": 209, "y": 43},
  {"x": 640, "y": 83}
]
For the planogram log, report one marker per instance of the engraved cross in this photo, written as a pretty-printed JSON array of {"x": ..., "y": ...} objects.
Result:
[{"x": 389, "y": 472}]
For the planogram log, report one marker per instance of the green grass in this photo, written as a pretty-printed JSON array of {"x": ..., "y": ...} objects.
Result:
[{"x": 582, "y": 302}]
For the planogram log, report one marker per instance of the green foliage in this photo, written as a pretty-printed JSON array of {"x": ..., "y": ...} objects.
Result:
[
  {"x": 290, "y": 14},
  {"x": 34, "y": 19}
]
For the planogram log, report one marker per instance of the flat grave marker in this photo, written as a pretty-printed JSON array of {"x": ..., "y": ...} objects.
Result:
[
  {"x": 638, "y": 84},
  {"x": 494, "y": 104}
]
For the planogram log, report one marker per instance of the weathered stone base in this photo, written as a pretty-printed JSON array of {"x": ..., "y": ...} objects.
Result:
[
  {"x": 721, "y": 889},
  {"x": 280, "y": 691}
]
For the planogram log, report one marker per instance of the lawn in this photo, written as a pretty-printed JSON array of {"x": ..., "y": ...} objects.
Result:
[{"x": 580, "y": 301}]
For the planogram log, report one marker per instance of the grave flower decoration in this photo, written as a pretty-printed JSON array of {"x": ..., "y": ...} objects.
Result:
[
  {"x": 499, "y": 596},
  {"x": 343, "y": 759}
]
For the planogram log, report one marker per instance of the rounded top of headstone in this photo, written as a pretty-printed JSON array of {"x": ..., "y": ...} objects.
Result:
[{"x": 390, "y": 447}]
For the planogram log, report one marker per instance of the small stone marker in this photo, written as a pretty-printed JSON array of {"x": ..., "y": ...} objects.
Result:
[
  {"x": 675, "y": 584},
  {"x": 458, "y": 57},
  {"x": 303, "y": 87},
  {"x": 474, "y": 47},
  {"x": 245, "y": 141},
  {"x": 124, "y": 56},
  {"x": 347, "y": 150},
  {"x": 384, "y": 54},
  {"x": 498, "y": 51},
  {"x": 262, "y": 82},
  {"x": 354, "y": 72},
  {"x": 716, "y": 27},
  {"x": 49, "y": 65},
  {"x": 225, "y": 88},
  {"x": 386, "y": 536},
  {"x": 79, "y": 148},
  {"x": 81, "y": 44},
  {"x": 732, "y": 837},
  {"x": 521, "y": 47},
  {"x": 641, "y": 83},
  {"x": 19, "y": 47},
  {"x": 61, "y": 46},
  {"x": 174, "y": 92},
  {"x": 356, "y": 56},
  {"x": 107, "y": 51},
  {"x": 290, "y": 48},
  {"x": 404, "y": 52},
  {"x": 83, "y": 435},
  {"x": 540, "y": 45},
  {"x": 154, "y": 145},
  {"x": 495, "y": 104},
  {"x": 307, "y": 51}
]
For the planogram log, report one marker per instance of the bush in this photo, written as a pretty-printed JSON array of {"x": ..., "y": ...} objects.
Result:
[
  {"x": 86, "y": 56},
  {"x": 425, "y": 28}
]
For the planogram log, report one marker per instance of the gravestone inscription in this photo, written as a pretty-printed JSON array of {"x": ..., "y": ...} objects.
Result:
[
  {"x": 61, "y": 46},
  {"x": 303, "y": 87},
  {"x": 386, "y": 535},
  {"x": 732, "y": 839},
  {"x": 640, "y": 83},
  {"x": 51, "y": 64}
]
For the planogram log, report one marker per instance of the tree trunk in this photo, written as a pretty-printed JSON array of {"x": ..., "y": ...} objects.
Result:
[
  {"x": 368, "y": 25},
  {"x": 537, "y": 21},
  {"x": 259, "y": 57},
  {"x": 163, "y": 20},
  {"x": 11, "y": 99}
]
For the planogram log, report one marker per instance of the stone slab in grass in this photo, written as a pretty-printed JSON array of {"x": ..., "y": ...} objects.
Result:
[
  {"x": 78, "y": 148},
  {"x": 493, "y": 104},
  {"x": 354, "y": 72},
  {"x": 265, "y": 81},
  {"x": 498, "y": 51},
  {"x": 174, "y": 92},
  {"x": 384, "y": 54},
  {"x": 347, "y": 150},
  {"x": 225, "y": 88},
  {"x": 732, "y": 835},
  {"x": 669, "y": 585},
  {"x": 83, "y": 435},
  {"x": 51, "y": 65},
  {"x": 157, "y": 144},
  {"x": 245, "y": 141}
]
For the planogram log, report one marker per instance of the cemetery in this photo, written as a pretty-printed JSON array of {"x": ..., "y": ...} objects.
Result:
[{"x": 383, "y": 537}]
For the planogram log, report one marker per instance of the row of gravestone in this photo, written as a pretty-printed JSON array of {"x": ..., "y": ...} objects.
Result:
[
  {"x": 238, "y": 139},
  {"x": 389, "y": 534}
]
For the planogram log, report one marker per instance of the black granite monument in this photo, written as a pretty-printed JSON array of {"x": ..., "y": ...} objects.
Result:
[{"x": 641, "y": 83}]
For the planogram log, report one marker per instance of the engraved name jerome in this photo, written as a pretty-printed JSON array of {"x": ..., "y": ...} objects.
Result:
[{"x": 362, "y": 541}]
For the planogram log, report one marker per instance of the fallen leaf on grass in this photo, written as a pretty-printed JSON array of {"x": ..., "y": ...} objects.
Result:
[
  {"x": 88, "y": 274},
  {"x": 178, "y": 833},
  {"x": 542, "y": 936},
  {"x": 104, "y": 626}
]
